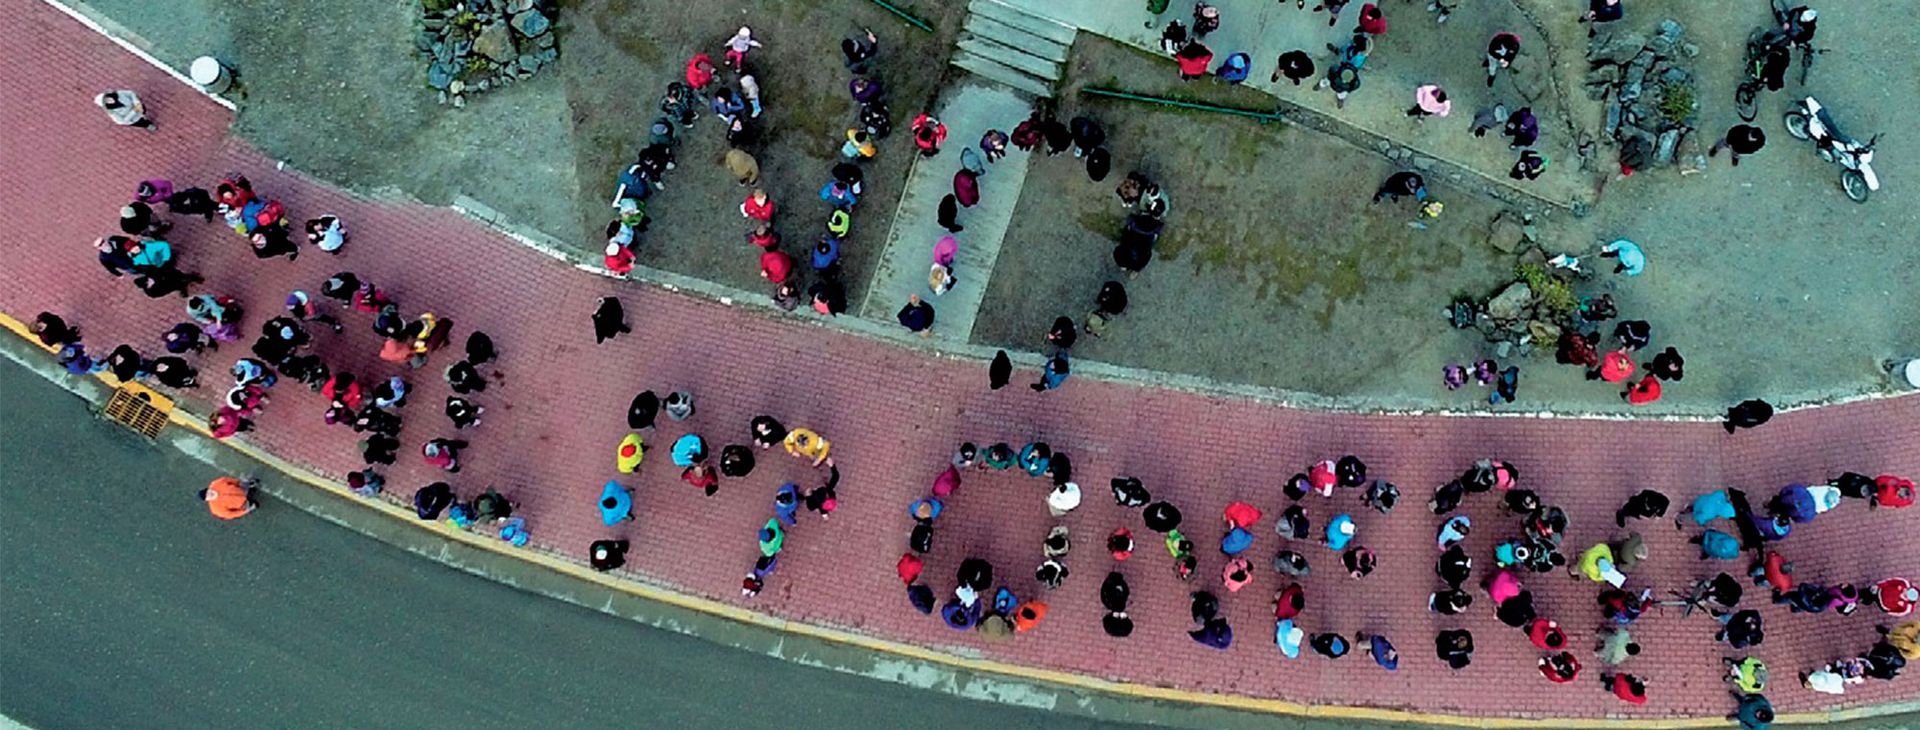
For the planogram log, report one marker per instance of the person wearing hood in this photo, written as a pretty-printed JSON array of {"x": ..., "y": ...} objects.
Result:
[{"x": 609, "y": 319}]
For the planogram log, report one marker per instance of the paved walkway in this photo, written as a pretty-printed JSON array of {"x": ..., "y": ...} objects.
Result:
[
  {"x": 968, "y": 109},
  {"x": 1401, "y": 60},
  {"x": 556, "y": 413}
]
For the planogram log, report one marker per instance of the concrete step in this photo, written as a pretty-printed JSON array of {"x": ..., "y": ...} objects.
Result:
[
  {"x": 1053, "y": 30},
  {"x": 996, "y": 71},
  {"x": 1007, "y": 55},
  {"x": 1026, "y": 42}
]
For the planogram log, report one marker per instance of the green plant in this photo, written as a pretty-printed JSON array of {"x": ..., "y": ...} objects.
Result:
[
  {"x": 1676, "y": 102},
  {"x": 1551, "y": 291}
]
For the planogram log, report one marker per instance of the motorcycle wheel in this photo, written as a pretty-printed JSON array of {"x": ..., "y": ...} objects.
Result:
[
  {"x": 1855, "y": 184},
  {"x": 1797, "y": 125},
  {"x": 1743, "y": 97}
]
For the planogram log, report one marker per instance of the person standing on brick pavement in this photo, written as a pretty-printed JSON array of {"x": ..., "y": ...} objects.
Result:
[
  {"x": 1615, "y": 645},
  {"x": 1560, "y": 668},
  {"x": 443, "y": 454},
  {"x": 123, "y": 107},
  {"x": 1063, "y": 499},
  {"x": 1054, "y": 374},
  {"x": 824, "y": 499},
  {"x": 1340, "y": 531},
  {"x": 1753, "y": 711},
  {"x": 616, "y": 504},
  {"x": 52, "y": 331},
  {"x": 1380, "y": 650},
  {"x": 803, "y": 443},
  {"x": 1630, "y": 689},
  {"x": 1454, "y": 647},
  {"x": 609, "y": 319},
  {"x": 766, "y": 431},
  {"x": 736, "y": 461},
  {"x": 174, "y": 372},
  {"x": 606, "y": 555},
  {"x": 1329, "y": 645},
  {"x": 327, "y": 233},
  {"x": 999, "y": 371},
  {"x": 463, "y": 413},
  {"x": 1751, "y": 413}
]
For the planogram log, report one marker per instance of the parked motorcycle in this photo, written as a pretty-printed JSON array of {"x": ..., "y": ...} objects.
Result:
[{"x": 1809, "y": 120}]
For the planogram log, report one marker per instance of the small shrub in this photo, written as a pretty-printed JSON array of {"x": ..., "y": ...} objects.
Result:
[
  {"x": 1676, "y": 103},
  {"x": 1551, "y": 291}
]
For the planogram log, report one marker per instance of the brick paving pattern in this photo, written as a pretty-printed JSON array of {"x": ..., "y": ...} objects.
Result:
[{"x": 556, "y": 412}]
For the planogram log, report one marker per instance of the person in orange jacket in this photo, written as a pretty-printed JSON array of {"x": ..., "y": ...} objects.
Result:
[{"x": 229, "y": 498}]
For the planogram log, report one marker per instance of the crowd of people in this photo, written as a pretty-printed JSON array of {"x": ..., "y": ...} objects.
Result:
[
  {"x": 286, "y": 346},
  {"x": 1530, "y": 546}
]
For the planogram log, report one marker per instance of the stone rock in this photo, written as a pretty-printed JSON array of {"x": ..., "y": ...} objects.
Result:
[
  {"x": 1529, "y": 78},
  {"x": 1422, "y": 163},
  {"x": 442, "y": 97},
  {"x": 1511, "y": 303},
  {"x": 1505, "y": 233},
  {"x": 425, "y": 42},
  {"x": 1674, "y": 75},
  {"x": 519, "y": 6},
  {"x": 483, "y": 85},
  {"x": 530, "y": 62},
  {"x": 1603, "y": 74},
  {"x": 531, "y": 23},
  {"x": 1383, "y": 147},
  {"x": 1671, "y": 29},
  {"x": 496, "y": 43},
  {"x": 1691, "y": 49},
  {"x": 1543, "y": 331},
  {"x": 439, "y": 75},
  {"x": 548, "y": 56},
  {"x": 459, "y": 102},
  {"x": 456, "y": 87},
  {"x": 1502, "y": 350},
  {"x": 544, "y": 40},
  {"x": 1663, "y": 151},
  {"x": 1616, "y": 48},
  {"x": 433, "y": 23}
]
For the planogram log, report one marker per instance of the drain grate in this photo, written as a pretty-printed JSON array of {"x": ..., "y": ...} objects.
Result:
[{"x": 139, "y": 408}]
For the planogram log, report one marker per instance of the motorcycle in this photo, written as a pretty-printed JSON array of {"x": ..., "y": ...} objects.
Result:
[{"x": 1809, "y": 120}]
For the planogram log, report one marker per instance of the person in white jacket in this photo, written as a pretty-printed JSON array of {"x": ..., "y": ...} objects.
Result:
[{"x": 124, "y": 108}]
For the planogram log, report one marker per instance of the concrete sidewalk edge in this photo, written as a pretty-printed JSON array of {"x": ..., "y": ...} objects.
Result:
[{"x": 630, "y": 597}]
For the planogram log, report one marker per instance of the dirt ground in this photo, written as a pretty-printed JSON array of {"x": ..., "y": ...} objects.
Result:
[
  {"x": 620, "y": 55},
  {"x": 1274, "y": 269},
  {"x": 335, "y": 88}
]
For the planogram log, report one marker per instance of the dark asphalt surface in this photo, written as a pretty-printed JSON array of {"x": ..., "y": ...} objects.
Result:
[{"x": 124, "y": 604}]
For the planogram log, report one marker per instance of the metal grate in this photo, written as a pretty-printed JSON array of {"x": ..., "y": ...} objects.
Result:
[{"x": 139, "y": 408}]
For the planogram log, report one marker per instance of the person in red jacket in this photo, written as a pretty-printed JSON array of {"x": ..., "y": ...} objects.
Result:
[
  {"x": 758, "y": 206},
  {"x": 776, "y": 266},
  {"x": 1647, "y": 390},
  {"x": 1892, "y": 491},
  {"x": 1194, "y": 59},
  {"x": 1546, "y": 635},
  {"x": 699, "y": 71},
  {"x": 1372, "y": 21},
  {"x": 1560, "y": 668},
  {"x": 1628, "y": 688},
  {"x": 928, "y": 133},
  {"x": 1500, "y": 54}
]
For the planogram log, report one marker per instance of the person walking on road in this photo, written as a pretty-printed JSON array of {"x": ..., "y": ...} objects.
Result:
[{"x": 229, "y": 498}]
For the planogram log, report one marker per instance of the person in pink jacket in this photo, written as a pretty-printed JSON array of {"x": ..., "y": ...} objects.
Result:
[{"x": 1429, "y": 100}]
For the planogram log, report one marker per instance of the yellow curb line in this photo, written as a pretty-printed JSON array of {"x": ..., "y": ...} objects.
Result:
[{"x": 1034, "y": 674}]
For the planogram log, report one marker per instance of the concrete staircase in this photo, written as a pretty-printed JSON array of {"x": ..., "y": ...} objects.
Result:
[{"x": 1014, "y": 47}]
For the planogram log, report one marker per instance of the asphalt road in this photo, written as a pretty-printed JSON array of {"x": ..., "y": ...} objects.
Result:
[{"x": 124, "y": 604}]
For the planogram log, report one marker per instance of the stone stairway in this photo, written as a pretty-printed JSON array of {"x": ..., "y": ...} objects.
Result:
[{"x": 1012, "y": 46}]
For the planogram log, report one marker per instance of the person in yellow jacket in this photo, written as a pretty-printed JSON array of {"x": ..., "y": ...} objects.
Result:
[{"x": 806, "y": 444}]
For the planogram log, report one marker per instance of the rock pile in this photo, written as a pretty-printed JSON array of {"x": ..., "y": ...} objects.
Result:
[
  {"x": 478, "y": 45},
  {"x": 1649, "y": 90}
]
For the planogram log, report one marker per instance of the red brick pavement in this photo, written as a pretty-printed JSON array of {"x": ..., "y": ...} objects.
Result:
[{"x": 893, "y": 415}]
